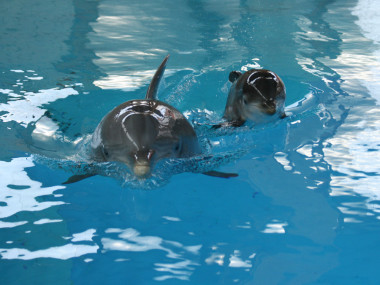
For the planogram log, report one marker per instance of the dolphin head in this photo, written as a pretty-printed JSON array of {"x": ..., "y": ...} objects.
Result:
[
  {"x": 127, "y": 137},
  {"x": 141, "y": 132},
  {"x": 263, "y": 90},
  {"x": 255, "y": 95}
]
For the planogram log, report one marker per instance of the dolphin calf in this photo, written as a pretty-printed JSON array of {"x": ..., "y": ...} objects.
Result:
[
  {"x": 139, "y": 133},
  {"x": 258, "y": 96}
]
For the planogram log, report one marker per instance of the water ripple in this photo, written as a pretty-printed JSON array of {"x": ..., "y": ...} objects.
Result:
[{"x": 19, "y": 191}]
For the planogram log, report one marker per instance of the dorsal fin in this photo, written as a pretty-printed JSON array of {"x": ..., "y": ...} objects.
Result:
[{"x": 153, "y": 87}]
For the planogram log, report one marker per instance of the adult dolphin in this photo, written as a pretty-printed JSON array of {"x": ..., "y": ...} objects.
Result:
[
  {"x": 141, "y": 132},
  {"x": 258, "y": 96}
]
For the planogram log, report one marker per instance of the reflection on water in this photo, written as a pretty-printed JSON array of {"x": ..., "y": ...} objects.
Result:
[
  {"x": 25, "y": 113},
  {"x": 275, "y": 227},
  {"x": 354, "y": 151},
  {"x": 235, "y": 260},
  {"x": 27, "y": 107},
  {"x": 369, "y": 21},
  {"x": 19, "y": 192},
  {"x": 19, "y": 195},
  {"x": 131, "y": 240},
  {"x": 60, "y": 252}
]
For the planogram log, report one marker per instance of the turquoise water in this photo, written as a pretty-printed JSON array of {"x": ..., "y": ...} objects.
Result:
[{"x": 305, "y": 208}]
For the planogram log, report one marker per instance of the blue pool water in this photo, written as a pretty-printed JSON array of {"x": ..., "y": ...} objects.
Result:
[{"x": 305, "y": 208}]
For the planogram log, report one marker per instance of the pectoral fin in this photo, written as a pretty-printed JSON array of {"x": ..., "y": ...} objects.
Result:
[
  {"x": 234, "y": 75},
  {"x": 233, "y": 124},
  {"x": 220, "y": 174},
  {"x": 76, "y": 178}
]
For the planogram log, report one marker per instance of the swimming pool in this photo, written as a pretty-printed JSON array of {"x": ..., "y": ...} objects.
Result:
[{"x": 305, "y": 208}]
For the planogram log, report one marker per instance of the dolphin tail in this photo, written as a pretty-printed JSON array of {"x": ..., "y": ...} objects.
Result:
[{"x": 153, "y": 87}]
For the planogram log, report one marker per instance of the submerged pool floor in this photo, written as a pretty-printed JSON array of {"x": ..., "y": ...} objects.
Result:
[{"x": 305, "y": 208}]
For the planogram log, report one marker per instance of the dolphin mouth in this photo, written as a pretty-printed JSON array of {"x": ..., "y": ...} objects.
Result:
[
  {"x": 265, "y": 108},
  {"x": 142, "y": 163},
  {"x": 142, "y": 170},
  {"x": 270, "y": 110}
]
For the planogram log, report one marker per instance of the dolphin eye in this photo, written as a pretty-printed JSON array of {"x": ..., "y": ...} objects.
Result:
[
  {"x": 105, "y": 152},
  {"x": 177, "y": 147}
]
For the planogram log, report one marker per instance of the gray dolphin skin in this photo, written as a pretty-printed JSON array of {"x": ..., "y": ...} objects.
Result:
[
  {"x": 141, "y": 132},
  {"x": 258, "y": 95}
]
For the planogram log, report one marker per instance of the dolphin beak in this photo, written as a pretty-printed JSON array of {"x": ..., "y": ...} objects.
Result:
[
  {"x": 142, "y": 165},
  {"x": 270, "y": 108},
  {"x": 141, "y": 170}
]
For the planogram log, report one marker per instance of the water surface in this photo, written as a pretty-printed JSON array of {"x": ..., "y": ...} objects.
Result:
[{"x": 305, "y": 208}]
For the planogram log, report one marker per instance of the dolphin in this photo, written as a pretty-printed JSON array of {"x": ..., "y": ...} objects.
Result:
[
  {"x": 139, "y": 133},
  {"x": 257, "y": 95}
]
